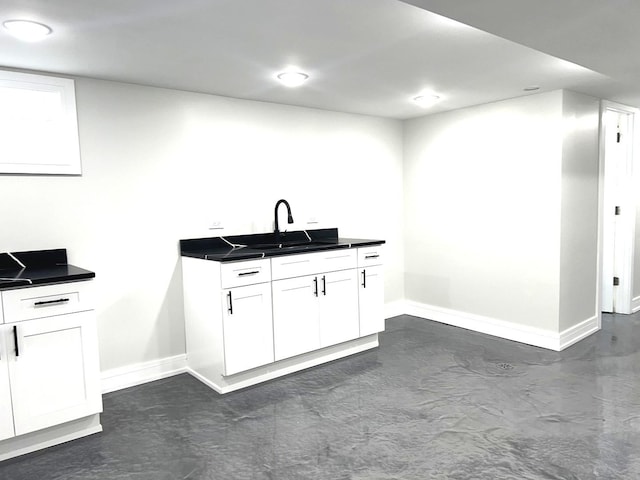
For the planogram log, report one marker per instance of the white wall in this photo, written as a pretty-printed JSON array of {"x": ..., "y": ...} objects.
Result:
[
  {"x": 579, "y": 220},
  {"x": 160, "y": 165},
  {"x": 482, "y": 216}
]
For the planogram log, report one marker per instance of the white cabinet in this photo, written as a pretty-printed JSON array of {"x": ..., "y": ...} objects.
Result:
[
  {"x": 228, "y": 316},
  {"x": 246, "y": 322},
  {"x": 338, "y": 307},
  {"x": 49, "y": 367},
  {"x": 371, "y": 300},
  {"x": 254, "y": 320},
  {"x": 371, "y": 290},
  {"x": 53, "y": 370},
  {"x": 296, "y": 316},
  {"x": 314, "y": 311}
]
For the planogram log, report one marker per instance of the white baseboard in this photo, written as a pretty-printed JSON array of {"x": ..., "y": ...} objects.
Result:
[
  {"x": 129, "y": 376},
  {"x": 635, "y": 305},
  {"x": 48, "y": 437},
  {"x": 499, "y": 328},
  {"x": 139, "y": 373},
  {"x": 393, "y": 309},
  {"x": 576, "y": 333}
]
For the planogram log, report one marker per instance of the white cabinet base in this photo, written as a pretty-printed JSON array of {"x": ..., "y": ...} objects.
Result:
[
  {"x": 48, "y": 437},
  {"x": 284, "y": 367}
]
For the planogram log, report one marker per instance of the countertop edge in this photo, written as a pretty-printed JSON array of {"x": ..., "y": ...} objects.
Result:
[{"x": 243, "y": 254}]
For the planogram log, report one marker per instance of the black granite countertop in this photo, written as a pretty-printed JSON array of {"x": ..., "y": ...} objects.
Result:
[
  {"x": 264, "y": 245},
  {"x": 24, "y": 269}
]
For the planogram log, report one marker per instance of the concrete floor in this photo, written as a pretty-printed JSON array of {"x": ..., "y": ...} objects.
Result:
[{"x": 433, "y": 402}]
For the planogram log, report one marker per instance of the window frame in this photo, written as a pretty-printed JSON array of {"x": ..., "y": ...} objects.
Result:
[{"x": 64, "y": 162}]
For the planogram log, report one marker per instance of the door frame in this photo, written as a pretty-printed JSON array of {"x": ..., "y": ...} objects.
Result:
[{"x": 625, "y": 230}]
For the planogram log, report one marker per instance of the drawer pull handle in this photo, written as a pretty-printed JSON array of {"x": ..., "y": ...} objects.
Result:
[
  {"x": 50, "y": 302},
  {"x": 364, "y": 279},
  {"x": 242, "y": 274},
  {"x": 371, "y": 256},
  {"x": 15, "y": 340},
  {"x": 324, "y": 285},
  {"x": 230, "y": 309},
  {"x": 315, "y": 282}
]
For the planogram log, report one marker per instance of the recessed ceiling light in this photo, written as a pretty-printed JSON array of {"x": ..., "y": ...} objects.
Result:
[
  {"x": 531, "y": 88},
  {"x": 292, "y": 79},
  {"x": 27, "y": 30},
  {"x": 426, "y": 100}
]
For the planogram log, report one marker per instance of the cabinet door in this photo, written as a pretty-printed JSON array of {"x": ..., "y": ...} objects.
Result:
[
  {"x": 296, "y": 327},
  {"x": 338, "y": 307},
  {"x": 54, "y": 374},
  {"x": 248, "y": 327},
  {"x": 371, "y": 296},
  {"x": 6, "y": 410}
]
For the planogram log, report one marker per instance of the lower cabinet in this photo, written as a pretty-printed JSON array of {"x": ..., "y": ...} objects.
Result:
[
  {"x": 314, "y": 311},
  {"x": 296, "y": 316},
  {"x": 52, "y": 367},
  {"x": 339, "y": 307},
  {"x": 371, "y": 300},
  {"x": 50, "y": 388},
  {"x": 242, "y": 317},
  {"x": 248, "y": 333},
  {"x": 228, "y": 316}
]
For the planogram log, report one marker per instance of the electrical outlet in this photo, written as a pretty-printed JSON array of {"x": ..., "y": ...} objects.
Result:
[{"x": 216, "y": 225}]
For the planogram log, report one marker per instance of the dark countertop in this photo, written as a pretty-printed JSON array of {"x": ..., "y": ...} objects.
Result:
[
  {"x": 41, "y": 267},
  {"x": 264, "y": 245}
]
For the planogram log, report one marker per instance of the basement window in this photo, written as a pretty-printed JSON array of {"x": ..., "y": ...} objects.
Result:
[{"x": 38, "y": 125}]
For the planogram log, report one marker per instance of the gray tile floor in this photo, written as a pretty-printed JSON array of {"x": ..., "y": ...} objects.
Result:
[{"x": 433, "y": 402}]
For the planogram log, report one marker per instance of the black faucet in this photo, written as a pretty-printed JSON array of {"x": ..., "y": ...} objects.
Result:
[{"x": 276, "y": 230}]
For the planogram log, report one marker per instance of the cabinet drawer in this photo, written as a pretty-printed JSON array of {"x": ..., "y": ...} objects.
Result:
[
  {"x": 238, "y": 274},
  {"x": 334, "y": 260},
  {"x": 370, "y": 256},
  {"x": 47, "y": 301},
  {"x": 291, "y": 266}
]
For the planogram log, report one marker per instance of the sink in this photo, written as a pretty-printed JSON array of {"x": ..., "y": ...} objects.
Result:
[{"x": 286, "y": 245}]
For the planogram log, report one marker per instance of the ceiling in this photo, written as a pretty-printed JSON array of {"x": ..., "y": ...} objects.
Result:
[{"x": 363, "y": 56}]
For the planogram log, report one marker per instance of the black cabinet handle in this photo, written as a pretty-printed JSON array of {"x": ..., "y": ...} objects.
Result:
[
  {"x": 364, "y": 279},
  {"x": 15, "y": 340},
  {"x": 315, "y": 282},
  {"x": 230, "y": 309},
  {"x": 324, "y": 285},
  {"x": 51, "y": 302},
  {"x": 371, "y": 256},
  {"x": 242, "y": 274}
]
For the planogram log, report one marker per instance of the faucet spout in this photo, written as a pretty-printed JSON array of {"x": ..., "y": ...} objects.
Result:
[{"x": 276, "y": 229}]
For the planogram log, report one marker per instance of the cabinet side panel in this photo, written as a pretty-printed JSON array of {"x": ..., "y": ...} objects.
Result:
[
  {"x": 203, "y": 318},
  {"x": 6, "y": 409}
]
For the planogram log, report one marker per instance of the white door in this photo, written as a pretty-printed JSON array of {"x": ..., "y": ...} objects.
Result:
[
  {"x": 6, "y": 409},
  {"x": 618, "y": 213},
  {"x": 248, "y": 327},
  {"x": 54, "y": 373},
  {"x": 371, "y": 297},
  {"x": 338, "y": 307},
  {"x": 296, "y": 316}
]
